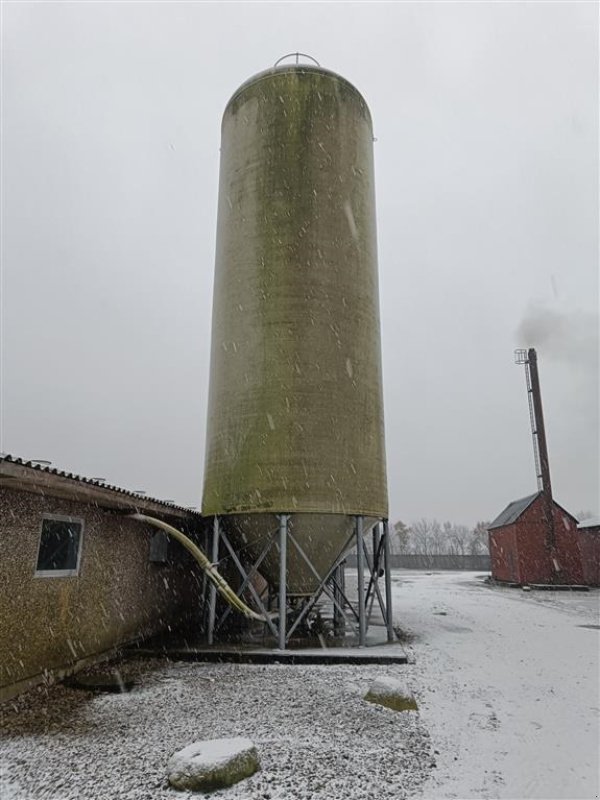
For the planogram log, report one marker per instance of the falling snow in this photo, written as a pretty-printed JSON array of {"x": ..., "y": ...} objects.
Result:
[{"x": 495, "y": 696}]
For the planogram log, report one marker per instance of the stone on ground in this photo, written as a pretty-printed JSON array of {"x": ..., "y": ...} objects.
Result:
[
  {"x": 392, "y": 694},
  {"x": 213, "y": 764}
]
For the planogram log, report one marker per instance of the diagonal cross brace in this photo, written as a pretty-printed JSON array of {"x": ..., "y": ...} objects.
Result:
[
  {"x": 374, "y": 582},
  {"x": 319, "y": 591},
  {"x": 322, "y": 588},
  {"x": 247, "y": 579},
  {"x": 253, "y": 569}
]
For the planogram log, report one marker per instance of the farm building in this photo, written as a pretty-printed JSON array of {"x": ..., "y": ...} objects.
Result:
[
  {"x": 78, "y": 578},
  {"x": 519, "y": 549}
]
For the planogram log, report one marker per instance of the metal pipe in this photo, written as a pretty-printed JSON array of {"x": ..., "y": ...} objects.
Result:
[
  {"x": 224, "y": 589},
  {"x": 391, "y": 634},
  {"x": 360, "y": 566},
  {"x": 283, "y": 530}
]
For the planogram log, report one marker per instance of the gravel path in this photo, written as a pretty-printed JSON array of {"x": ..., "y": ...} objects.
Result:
[{"x": 316, "y": 736}]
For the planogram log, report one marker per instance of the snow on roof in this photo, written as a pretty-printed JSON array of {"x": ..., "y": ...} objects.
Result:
[
  {"x": 592, "y": 522},
  {"x": 513, "y": 511},
  {"x": 77, "y": 484}
]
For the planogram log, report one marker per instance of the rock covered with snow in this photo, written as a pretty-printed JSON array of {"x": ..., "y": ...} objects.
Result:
[
  {"x": 391, "y": 693},
  {"x": 213, "y": 764}
]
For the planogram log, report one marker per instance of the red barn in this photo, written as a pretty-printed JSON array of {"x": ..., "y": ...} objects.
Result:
[
  {"x": 518, "y": 545},
  {"x": 589, "y": 545}
]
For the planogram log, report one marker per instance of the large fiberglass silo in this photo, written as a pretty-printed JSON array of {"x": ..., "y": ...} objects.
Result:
[{"x": 295, "y": 420}]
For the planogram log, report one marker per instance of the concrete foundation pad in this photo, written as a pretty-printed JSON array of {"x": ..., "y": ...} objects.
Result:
[
  {"x": 558, "y": 587},
  {"x": 341, "y": 655},
  {"x": 546, "y": 587}
]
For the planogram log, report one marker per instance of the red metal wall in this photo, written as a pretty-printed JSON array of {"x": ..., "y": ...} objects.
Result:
[
  {"x": 589, "y": 545},
  {"x": 503, "y": 554}
]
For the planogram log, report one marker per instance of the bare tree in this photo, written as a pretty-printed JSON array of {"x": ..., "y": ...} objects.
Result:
[
  {"x": 458, "y": 539},
  {"x": 400, "y": 541},
  {"x": 427, "y": 537},
  {"x": 479, "y": 540}
]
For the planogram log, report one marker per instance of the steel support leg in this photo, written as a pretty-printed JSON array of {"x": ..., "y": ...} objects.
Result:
[
  {"x": 387, "y": 566},
  {"x": 338, "y": 617},
  {"x": 360, "y": 565},
  {"x": 283, "y": 530},
  {"x": 376, "y": 536},
  {"x": 212, "y": 592}
]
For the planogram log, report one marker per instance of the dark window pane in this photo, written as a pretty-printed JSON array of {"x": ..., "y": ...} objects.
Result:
[
  {"x": 59, "y": 545},
  {"x": 159, "y": 547}
]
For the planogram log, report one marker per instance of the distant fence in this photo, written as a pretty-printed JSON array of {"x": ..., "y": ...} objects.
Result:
[{"x": 471, "y": 563}]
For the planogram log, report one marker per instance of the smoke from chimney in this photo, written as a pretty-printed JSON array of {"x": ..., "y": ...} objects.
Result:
[
  {"x": 568, "y": 343},
  {"x": 562, "y": 336}
]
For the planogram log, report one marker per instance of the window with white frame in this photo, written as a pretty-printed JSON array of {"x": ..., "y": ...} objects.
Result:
[{"x": 59, "y": 552}]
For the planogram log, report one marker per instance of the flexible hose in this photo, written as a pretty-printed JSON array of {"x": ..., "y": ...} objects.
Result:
[{"x": 224, "y": 589}]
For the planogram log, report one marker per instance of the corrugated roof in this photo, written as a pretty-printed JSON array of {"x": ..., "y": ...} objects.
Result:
[
  {"x": 116, "y": 491},
  {"x": 513, "y": 511}
]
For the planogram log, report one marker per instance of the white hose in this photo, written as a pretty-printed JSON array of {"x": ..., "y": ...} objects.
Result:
[{"x": 224, "y": 589}]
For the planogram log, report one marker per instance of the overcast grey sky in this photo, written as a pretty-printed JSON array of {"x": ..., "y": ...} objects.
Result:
[{"x": 486, "y": 117}]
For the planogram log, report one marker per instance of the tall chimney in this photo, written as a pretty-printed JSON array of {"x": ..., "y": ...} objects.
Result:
[{"x": 538, "y": 430}]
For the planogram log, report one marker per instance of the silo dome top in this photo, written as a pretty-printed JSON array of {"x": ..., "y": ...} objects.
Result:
[{"x": 301, "y": 69}]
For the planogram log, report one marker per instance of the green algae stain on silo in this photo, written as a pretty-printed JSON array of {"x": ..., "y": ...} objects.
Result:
[{"x": 295, "y": 410}]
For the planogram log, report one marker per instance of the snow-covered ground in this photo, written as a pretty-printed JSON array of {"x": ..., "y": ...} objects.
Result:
[
  {"x": 506, "y": 681},
  {"x": 315, "y": 735}
]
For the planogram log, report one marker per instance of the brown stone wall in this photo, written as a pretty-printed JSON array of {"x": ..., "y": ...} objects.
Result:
[{"x": 118, "y": 596}]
